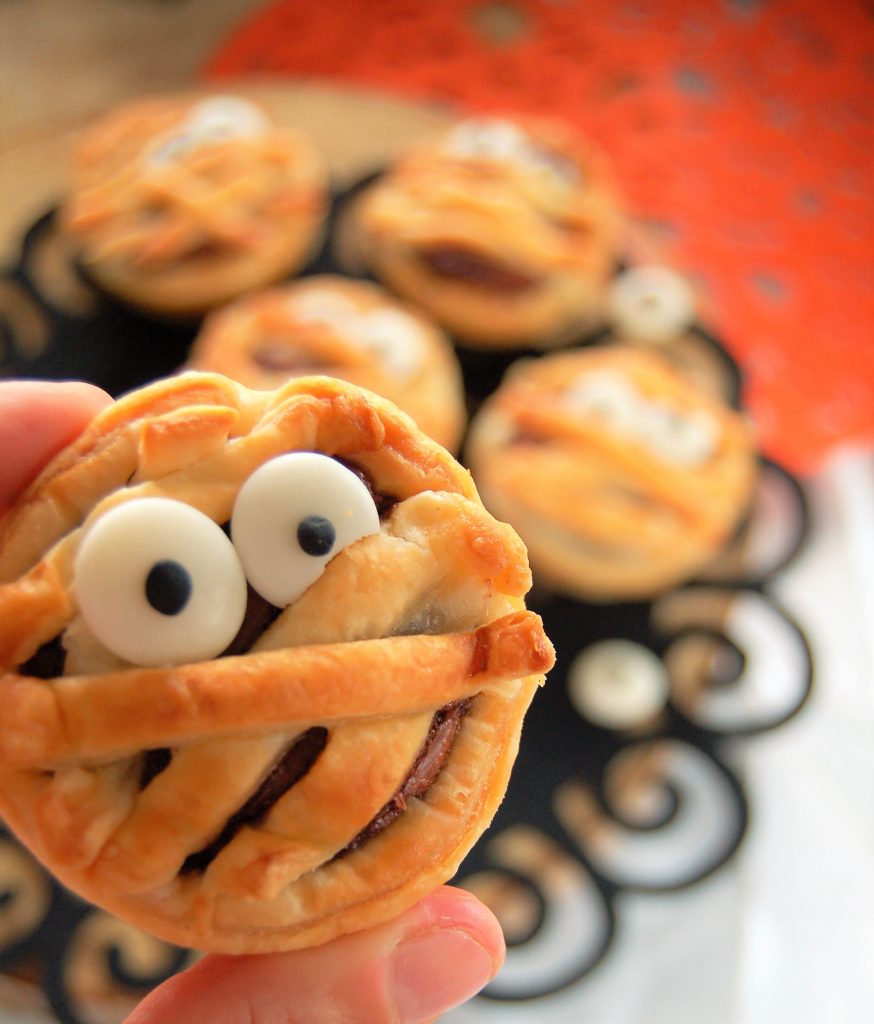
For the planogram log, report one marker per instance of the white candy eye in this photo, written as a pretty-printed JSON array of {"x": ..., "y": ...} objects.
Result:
[
  {"x": 159, "y": 583},
  {"x": 213, "y": 120},
  {"x": 226, "y": 117},
  {"x": 684, "y": 438},
  {"x": 650, "y": 304},
  {"x": 606, "y": 396},
  {"x": 292, "y": 516},
  {"x": 395, "y": 338},
  {"x": 490, "y": 139},
  {"x": 617, "y": 684}
]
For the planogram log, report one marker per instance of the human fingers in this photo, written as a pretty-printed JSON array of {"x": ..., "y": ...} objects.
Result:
[
  {"x": 37, "y": 418},
  {"x": 431, "y": 958}
]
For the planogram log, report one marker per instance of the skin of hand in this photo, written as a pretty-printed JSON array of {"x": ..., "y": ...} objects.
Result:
[{"x": 432, "y": 957}]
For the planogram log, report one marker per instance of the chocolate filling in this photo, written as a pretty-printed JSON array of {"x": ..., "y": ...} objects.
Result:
[
  {"x": 154, "y": 762},
  {"x": 473, "y": 269},
  {"x": 290, "y": 768},
  {"x": 384, "y": 502},
  {"x": 260, "y": 614},
  {"x": 279, "y": 358},
  {"x": 427, "y": 766},
  {"x": 47, "y": 662}
]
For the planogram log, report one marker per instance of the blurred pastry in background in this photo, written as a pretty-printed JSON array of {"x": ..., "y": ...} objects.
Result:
[
  {"x": 342, "y": 328},
  {"x": 622, "y": 475},
  {"x": 505, "y": 230},
  {"x": 179, "y": 204}
]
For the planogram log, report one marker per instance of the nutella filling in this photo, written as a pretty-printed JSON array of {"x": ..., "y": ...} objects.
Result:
[
  {"x": 276, "y": 357},
  {"x": 47, "y": 662},
  {"x": 427, "y": 766},
  {"x": 474, "y": 269},
  {"x": 289, "y": 769}
]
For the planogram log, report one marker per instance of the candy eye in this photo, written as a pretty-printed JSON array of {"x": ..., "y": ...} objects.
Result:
[
  {"x": 685, "y": 438},
  {"x": 159, "y": 583},
  {"x": 292, "y": 516},
  {"x": 226, "y": 117},
  {"x": 618, "y": 684},
  {"x": 607, "y": 397},
  {"x": 395, "y": 338},
  {"x": 213, "y": 120},
  {"x": 487, "y": 139},
  {"x": 651, "y": 304}
]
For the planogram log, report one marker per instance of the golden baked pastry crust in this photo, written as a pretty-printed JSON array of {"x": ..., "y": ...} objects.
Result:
[
  {"x": 508, "y": 247},
  {"x": 622, "y": 475},
  {"x": 176, "y": 220},
  {"x": 331, "y": 325},
  {"x": 404, "y": 622}
]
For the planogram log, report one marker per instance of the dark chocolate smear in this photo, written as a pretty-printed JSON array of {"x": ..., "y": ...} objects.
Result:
[
  {"x": 427, "y": 766},
  {"x": 384, "y": 502},
  {"x": 260, "y": 614},
  {"x": 288, "y": 770},
  {"x": 47, "y": 662},
  {"x": 154, "y": 762},
  {"x": 474, "y": 269},
  {"x": 279, "y": 358}
]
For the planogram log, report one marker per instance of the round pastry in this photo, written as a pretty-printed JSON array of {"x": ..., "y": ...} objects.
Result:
[
  {"x": 178, "y": 205},
  {"x": 506, "y": 231},
  {"x": 348, "y": 329},
  {"x": 265, "y": 661},
  {"x": 621, "y": 474}
]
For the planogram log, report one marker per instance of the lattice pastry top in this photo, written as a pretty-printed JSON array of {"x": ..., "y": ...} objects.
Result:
[
  {"x": 506, "y": 230},
  {"x": 265, "y": 661},
  {"x": 179, "y": 204},
  {"x": 622, "y": 474},
  {"x": 346, "y": 328}
]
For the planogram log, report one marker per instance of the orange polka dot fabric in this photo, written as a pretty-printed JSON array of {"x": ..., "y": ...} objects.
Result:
[{"x": 742, "y": 131}]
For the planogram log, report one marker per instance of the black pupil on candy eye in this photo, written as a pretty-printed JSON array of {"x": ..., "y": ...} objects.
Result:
[
  {"x": 168, "y": 587},
  {"x": 316, "y": 535}
]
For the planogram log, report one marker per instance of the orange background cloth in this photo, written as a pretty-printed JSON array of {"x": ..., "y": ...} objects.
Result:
[{"x": 741, "y": 130}]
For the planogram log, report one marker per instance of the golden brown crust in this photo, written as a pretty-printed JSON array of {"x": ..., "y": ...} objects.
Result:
[
  {"x": 534, "y": 223},
  {"x": 176, "y": 216},
  {"x": 423, "y": 613},
  {"x": 569, "y": 450},
  {"x": 348, "y": 329}
]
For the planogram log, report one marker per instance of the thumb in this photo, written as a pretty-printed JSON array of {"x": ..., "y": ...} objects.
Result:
[
  {"x": 37, "y": 418},
  {"x": 436, "y": 955}
]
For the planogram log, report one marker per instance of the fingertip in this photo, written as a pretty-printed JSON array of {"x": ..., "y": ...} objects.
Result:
[{"x": 452, "y": 907}]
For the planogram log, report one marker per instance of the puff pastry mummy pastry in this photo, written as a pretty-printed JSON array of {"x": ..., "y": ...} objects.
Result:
[
  {"x": 506, "y": 231},
  {"x": 180, "y": 204},
  {"x": 348, "y": 329},
  {"x": 265, "y": 660},
  {"x": 622, "y": 475}
]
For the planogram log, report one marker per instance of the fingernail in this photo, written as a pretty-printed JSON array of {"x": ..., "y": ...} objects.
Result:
[{"x": 437, "y": 970}]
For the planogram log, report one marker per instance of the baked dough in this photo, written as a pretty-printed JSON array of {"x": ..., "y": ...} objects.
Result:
[
  {"x": 179, "y": 204},
  {"x": 622, "y": 475},
  {"x": 339, "y": 758},
  {"x": 506, "y": 231},
  {"x": 348, "y": 329}
]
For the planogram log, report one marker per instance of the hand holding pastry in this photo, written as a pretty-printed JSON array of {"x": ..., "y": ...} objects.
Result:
[
  {"x": 265, "y": 662},
  {"x": 410, "y": 969}
]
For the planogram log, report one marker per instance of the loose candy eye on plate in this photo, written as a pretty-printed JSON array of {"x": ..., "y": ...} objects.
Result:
[
  {"x": 292, "y": 516},
  {"x": 158, "y": 583}
]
